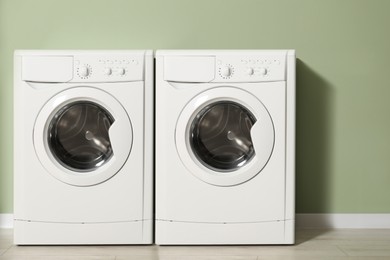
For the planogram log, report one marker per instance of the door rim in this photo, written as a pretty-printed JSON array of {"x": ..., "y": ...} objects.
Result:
[
  {"x": 247, "y": 171},
  {"x": 121, "y": 152}
]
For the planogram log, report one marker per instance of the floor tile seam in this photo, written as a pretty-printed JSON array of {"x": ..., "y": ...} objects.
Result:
[
  {"x": 343, "y": 251},
  {"x": 5, "y": 251}
]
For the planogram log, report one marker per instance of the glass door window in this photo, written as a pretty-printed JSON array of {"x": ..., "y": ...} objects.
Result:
[
  {"x": 83, "y": 136},
  {"x": 224, "y": 136},
  {"x": 220, "y": 136},
  {"x": 78, "y": 136}
]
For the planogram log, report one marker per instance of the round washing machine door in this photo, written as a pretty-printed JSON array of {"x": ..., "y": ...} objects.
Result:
[
  {"x": 83, "y": 136},
  {"x": 225, "y": 136}
]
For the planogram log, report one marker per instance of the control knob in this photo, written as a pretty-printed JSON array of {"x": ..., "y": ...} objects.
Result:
[
  {"x": 226, "y": 71},
  {"x": 121, "y": 71},
  {"x": 84, "y": 71},
  {"x": 250, "y": 71},
  {"x": 108, "y": 71},
  {"x": 263, "y": 71}
]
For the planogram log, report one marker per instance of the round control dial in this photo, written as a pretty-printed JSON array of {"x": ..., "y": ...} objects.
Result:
[
  {"x": 84, "y": 71},
  {"x": 263, "y": 71},
  {"x": 121, "y": 71},
  {"x": 250, "y": 71},
  {"x": 226, "y": 71},
  {"x": 107, "y": 71}
]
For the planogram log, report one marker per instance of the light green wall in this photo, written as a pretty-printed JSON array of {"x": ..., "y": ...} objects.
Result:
[{"x": 343, "y": 74}]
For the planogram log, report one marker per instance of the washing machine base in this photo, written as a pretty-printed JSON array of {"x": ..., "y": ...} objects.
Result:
[
  {"x": 45, "y": 233},
  {"x": 189, "y": 233}
]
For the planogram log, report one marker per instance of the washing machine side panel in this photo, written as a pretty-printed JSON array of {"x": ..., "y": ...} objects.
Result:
[
  {"x": 41, "y": 197},
  {"x": 18, "y": 141},
  {"x": 183, "y": 197},
  {"x": 148, "y": 193},
  {"x": 290, "y": 135}
]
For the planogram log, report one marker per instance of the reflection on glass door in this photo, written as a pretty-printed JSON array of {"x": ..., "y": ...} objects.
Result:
[
  {"x": 78, "y": 136},
  {"x": 220, "y": 136}
]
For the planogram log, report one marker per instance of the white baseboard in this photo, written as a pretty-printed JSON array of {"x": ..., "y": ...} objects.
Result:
[
  {"x": 351, "y": 220},
  {"x": 302, "y": 221},
  {"x": 6, "y": 220}
]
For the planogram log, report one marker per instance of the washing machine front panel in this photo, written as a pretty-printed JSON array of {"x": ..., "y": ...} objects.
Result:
[
  {"x": 55, "y": 199},
  {"x": 199, "y": 198},
  {"x": 225, "y": 136},
  {"x": 83, "y": 136}
]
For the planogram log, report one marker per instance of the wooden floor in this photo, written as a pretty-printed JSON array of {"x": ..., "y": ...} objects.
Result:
[{"x": 339, "y": 244}]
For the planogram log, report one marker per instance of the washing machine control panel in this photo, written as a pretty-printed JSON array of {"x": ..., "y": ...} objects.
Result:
[
  {"x": 250, "y": 68},
  {"x": 107, "y": 68}
]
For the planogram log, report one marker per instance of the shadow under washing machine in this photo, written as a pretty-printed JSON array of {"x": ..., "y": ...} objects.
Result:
[
  {"x": 225, "y": 147},
  {"x": 83, "y": 151}
]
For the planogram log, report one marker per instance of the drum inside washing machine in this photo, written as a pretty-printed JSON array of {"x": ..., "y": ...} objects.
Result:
[
  {"x": 220, "y": 136},
  {"x": 78, "y": 136}
]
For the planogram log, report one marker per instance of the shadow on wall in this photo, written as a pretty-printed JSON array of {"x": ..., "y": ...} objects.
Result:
[{"x": 313, "y": 140}]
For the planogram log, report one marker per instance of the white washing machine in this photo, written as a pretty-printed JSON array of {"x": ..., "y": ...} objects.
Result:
[
  {"x": 83, "y": 151},
  {"x": 225, "y": 147}
]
